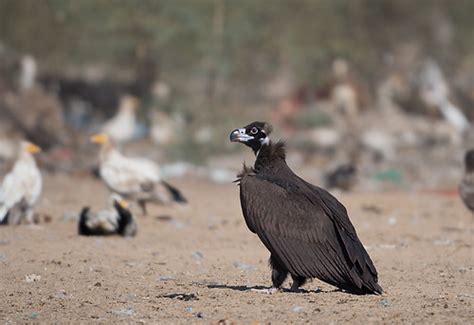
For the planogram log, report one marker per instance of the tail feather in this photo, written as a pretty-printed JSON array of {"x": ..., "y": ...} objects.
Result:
[
  {"x": 82, "y": 227},
  {"x": 175, "y": 193},
  {"x": 3, "y": 214}
]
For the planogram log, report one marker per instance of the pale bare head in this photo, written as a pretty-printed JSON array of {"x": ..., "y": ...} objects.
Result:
[{"x": 28, "y": 147}]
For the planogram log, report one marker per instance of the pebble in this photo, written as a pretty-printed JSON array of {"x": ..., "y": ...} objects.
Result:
[
  {"x": 200, "y": 315},
  {"x": 32, "y": 278},
  {"x": 166, "y": 278},
  {"x": 245, "y": 267},
  {"x": 197, "y": 255},
  {"x": 384, "y": 303},
  {"x": 124, "y": 312}
]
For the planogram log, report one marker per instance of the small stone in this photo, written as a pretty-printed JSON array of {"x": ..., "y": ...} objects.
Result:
[
  {"x": 297, "y": 309},
  {"x": 97, "y": 284},
  {"x": 166, "y": 278},
  {"x": 384, "y": 303},
  {"x": 124, "y": 312},
  {"x": 32, "y": 278},
  {"x": 197, "y": 255},
  {"x": 245, "y": 267},
  {"x": 200, "y": 315}
]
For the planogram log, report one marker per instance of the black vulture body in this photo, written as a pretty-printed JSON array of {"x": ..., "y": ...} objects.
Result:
[{"x": 305, "y": 228}]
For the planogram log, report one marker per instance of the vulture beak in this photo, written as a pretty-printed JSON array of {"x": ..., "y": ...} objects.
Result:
[
  {"x": 239, "y": 135},
  {"x": 32, "y": 148},
  {"x": 100, "y": 138},
  {"x": 124, "y": 204}
]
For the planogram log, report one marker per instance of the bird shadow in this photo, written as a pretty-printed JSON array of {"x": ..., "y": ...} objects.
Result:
[{"x": 261, "y": 287}]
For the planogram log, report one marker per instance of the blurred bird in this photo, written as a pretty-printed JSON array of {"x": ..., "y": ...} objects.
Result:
[
  {"x": 307, "y": 230},
  {"x": 108, "y": 222},
  {"x": 466, "y": 188},
  {"x": 121, "y": 127},
  {"x": 21, "y": 188},
  {"x": 136, "y": 179},
  {"x": 164, "y": 127},
  {"x": 342, "y": 177},
  {"x": 32, "y": 111},
  {"x": 435, "y": 92}
]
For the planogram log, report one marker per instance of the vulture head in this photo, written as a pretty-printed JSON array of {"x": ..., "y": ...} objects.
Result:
[
  {"x": 129, "y": 103},
  {"x": 28, "y": 147},
  {"x": 469, "y": 161},
  {"x": 100, "y": 138},
  {"x": 255, "y": 135}
]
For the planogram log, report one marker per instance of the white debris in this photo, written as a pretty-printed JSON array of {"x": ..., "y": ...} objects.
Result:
[{"x": 32, "y": 278}]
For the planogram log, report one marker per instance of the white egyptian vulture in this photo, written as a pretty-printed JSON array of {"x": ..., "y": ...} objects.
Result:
[
  {"x": 135, "y": 179},
  {"x": 121, "y": 127},
  {"x": 117, "y": 220},
  {"x": 21, "y": 188}
]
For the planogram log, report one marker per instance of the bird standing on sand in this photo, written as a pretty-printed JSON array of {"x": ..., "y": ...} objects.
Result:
[
  {"x": 306, "y": 229},
  {"x": 21, "y": 188},
  {"x": 466, "y": 188},
  {"x": 108, "y": 222},
  {"x": 135, "y": 179},
  {"x": 121, "y": 127}
]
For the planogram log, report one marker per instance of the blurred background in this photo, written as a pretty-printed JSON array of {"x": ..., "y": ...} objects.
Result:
[{"x": 372, "y": 94}]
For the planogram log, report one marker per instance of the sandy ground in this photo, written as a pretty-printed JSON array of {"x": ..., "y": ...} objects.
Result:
[{"x": 198, "y": 264}]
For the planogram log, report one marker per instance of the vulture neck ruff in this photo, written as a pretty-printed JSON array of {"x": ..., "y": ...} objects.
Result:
[{"x": 269, "y": 153}]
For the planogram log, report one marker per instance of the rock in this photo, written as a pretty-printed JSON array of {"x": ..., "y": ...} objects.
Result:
[
  {"x": 392, "y": 221},
  {"x": 297, "y": 309},
  {"x": 166, "y": 278},
  {"x": 245, "y": 267},
  {"x": 197, "y": 255},
  {"x": 384, "y": 303},
  {"x": 34, "y": 315},
  {"x": 124, "y": 312},
  {"x": 199, "y": 315}
]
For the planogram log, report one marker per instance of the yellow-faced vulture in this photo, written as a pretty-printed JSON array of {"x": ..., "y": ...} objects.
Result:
[{"x": 306, "y": 229}]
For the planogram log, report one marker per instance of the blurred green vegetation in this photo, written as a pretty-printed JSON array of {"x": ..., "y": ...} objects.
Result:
[{"x": 226, "y": 48}]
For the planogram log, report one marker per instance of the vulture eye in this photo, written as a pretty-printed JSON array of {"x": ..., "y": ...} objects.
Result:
[{"x": 254, "y": 130}]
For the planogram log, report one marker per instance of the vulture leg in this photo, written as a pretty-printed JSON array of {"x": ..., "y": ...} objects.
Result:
[
  {"x": 298, "y": 281},
  {"x": 279, "y": 273},
  {"x": 142, "y": 204},
  {"x": 29, "y": 216}
]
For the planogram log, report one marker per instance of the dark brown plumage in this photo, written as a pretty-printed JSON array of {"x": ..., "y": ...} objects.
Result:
[
  {"x": 306, "y": 229},
  {"x": 466, "y": 187}
]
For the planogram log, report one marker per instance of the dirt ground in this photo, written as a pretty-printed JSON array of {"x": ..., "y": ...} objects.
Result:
[{"x": 198, "y": 264}]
